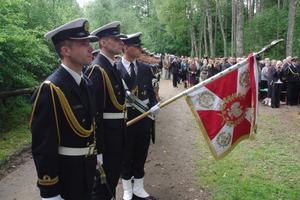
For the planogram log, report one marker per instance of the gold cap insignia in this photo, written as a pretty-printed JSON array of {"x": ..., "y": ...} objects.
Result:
[
  {"x": 119, "y": 28},
  {"x": 86, "y": 26},
  {"x": 140, "y": 38}
]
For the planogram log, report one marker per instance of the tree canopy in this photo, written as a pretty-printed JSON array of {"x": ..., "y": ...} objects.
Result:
[{"x": 189, "y": 28}]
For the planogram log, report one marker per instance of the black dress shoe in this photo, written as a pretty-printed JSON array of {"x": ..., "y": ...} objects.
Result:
[{"x": 141, "y": 198}]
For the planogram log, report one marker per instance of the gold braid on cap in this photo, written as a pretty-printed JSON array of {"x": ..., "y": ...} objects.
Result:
[
  {"x": 73, "y": 122},
  {"x": 107, "y": 84}
]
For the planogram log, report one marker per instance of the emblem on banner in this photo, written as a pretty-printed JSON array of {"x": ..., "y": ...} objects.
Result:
[
  {"x": 206, "y": 100},
  {"x": 224, "y": 139},
  {"x": 244, "y": 79},
  {"x": 233, "y": 110}
]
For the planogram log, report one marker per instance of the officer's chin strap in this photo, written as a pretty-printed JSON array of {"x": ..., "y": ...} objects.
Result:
[{"x": 103, "y": 179}]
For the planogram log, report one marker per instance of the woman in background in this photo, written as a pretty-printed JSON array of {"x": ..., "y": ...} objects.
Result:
[{"x": 192, "y": 73}]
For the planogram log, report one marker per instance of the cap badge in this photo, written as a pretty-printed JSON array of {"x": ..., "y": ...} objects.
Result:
[
  {"x": 86, "y": 26},
  {"x": 119, "y": 28}
]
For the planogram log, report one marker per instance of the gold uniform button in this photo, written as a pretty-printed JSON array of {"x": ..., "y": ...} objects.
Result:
[
  {"x": 119, "y": 93},
  {"x": 88, "y": 144},
  {"x": 83, "y": 120},
  {"x": 133, "y": 108},
  {"x": 97, "y": 113}
]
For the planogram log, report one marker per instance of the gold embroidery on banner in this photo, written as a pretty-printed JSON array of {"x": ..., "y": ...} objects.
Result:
[
  {"x": 233, "y": 113},
  {"x": 48, "y": 181},
  {"x": 206, "y": 99},
  {"x": 244, "y": 79},
  {"x": 224, "y": 139}
]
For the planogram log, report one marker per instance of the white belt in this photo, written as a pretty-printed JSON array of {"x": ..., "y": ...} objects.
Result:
[
  {"x": 145, "y": 102},
  {"x": 86, "y": 151},
  {"x": 121, "y": 115}
]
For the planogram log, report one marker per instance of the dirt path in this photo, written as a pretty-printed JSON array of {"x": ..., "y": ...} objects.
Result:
[{"x": 169, "y": 168}]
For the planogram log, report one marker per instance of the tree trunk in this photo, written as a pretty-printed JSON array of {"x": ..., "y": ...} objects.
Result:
[
  {"x": 215, "y": 35},
  {"x": 251, "y": 8},
  {"x": 226, "y": 8},
  {"x": 200, "y": 43},
  {"x": 291, "y": 26},
  {"x": 222, "y": 29},
  {"x": 210, "y": 28},
  {"x": 240, "y": 29},
  {"x": 204, "y": 35},
  {"x": 193, "y": 35},
  {"x": 233, "y": 29}
]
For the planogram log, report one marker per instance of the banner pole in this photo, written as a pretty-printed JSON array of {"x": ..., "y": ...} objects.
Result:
[{"x": 207, "y": 81}]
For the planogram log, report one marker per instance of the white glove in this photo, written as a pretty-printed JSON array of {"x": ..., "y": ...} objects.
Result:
[
  {"x": 58, "y": 197},
  {"x": 99, "y": 159},
  {"x": 155, "y": 110}
]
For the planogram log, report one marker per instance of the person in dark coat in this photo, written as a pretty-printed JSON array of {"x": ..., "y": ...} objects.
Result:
[
  {"x": 63, "y": 119},
  {"x": 175, "y": 67},
  {"x": 110, "y": 99},
  {"x": 137, "y": 78},
  {"x": 292, "y": 73}
]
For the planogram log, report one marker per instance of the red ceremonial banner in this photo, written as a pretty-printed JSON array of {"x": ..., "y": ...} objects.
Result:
[{"x": 226, "y": 109}]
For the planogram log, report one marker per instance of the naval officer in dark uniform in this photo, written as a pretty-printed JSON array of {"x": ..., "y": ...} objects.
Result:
[
  {"x": 138, "y": 80},
  {"x": 63, "y": 119},
  {"x": 292, "y": 73},
  {"x": 110, "y": 100}
]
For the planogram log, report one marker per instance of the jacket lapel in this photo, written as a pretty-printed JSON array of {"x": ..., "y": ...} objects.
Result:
[{"x": 74, "y": 87}]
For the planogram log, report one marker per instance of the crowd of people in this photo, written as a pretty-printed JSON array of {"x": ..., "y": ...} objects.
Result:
[
  {"x": 192, "y": 70},
  {"x": 277, "y": 76}
]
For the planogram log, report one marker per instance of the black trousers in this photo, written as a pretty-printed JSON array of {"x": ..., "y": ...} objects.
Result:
[
  {"x": 292, "y": 93},
  {"x": 175, "y": 79},
  {"x": 112, "y": 167},
  {"x": 136, "y": 149},
  {"x": 275, "y": 100}
]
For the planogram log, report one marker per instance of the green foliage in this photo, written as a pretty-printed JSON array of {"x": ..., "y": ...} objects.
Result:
[
  {"x": 13, "y": 110},
  {"x": 26, "y": 57}
]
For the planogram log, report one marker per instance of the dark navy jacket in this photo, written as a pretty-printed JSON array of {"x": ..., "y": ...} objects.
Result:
[
  {"x": 112, "y": 130},
  {"x": 75, "y": 173}
]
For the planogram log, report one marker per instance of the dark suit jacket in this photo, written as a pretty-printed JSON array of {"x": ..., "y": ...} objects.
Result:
[
  {"x": 292, "y": 77},
  {"x": 75, "y": 173},
  {"x": 143, "y": 82},
  {"x": 175, "y": 67},
  {"x": 271, "y": 71},
  {"x": 226, "y": 65},
  {"x": 111, "y": 130}
]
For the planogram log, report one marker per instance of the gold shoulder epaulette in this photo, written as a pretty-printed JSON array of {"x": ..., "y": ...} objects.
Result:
[{"x": 73, "y": 122}]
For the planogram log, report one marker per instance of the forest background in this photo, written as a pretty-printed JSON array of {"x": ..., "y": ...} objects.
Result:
[{"x": 192, "y": 28}]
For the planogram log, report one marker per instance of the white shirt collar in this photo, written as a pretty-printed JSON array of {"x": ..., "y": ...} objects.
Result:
[
  {"x": 76, "y": 76},
  {"x": 127, "y": 66},
  {"x": 112, "y": 62}
]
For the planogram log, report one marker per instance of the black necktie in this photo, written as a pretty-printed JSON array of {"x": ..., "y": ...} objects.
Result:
[
  {"x": 132, "y": 72},
  {"x": 83, "y": 86}
]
